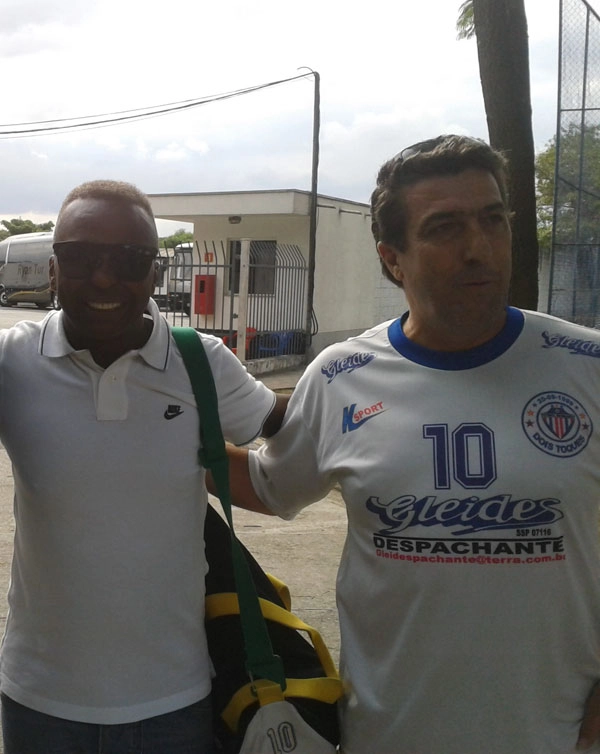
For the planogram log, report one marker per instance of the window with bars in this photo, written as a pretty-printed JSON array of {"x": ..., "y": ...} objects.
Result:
[{"x": 263, "y": 259}]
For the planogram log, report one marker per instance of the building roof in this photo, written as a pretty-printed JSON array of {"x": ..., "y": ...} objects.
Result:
[{"x": 188, "y": 206}]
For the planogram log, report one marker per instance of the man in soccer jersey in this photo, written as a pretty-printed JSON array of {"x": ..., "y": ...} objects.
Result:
[{"x": 463, "y": 437}]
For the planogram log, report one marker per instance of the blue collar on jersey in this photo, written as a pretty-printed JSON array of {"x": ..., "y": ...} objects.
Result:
[{"x": 457, "y": 360}]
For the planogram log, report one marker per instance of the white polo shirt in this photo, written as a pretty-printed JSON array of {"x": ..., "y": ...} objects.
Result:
[{"x": 106, "y": 601}]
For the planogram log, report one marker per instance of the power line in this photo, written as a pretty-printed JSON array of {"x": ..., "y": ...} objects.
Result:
[{"x": 87, "y": 122}]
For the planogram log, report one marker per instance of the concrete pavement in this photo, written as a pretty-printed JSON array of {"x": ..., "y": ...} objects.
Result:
[{"x": 283, "y": 381}]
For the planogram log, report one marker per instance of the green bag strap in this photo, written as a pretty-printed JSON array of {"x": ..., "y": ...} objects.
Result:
[{"x": 261, "y": 662}]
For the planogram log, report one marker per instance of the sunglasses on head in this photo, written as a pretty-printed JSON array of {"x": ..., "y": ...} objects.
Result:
[
  {"x": 422, "y": 147},
  {"x": 129, "y": 262}
]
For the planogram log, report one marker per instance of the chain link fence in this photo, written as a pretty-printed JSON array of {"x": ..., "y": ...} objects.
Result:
[{"x": 574, "y": 285}]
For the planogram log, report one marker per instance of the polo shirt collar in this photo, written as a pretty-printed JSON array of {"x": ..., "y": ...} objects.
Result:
[{"x": 53, "y": 341}]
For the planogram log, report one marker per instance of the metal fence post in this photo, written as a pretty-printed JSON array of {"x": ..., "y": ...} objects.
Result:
[{"x": 242, "y": 319}]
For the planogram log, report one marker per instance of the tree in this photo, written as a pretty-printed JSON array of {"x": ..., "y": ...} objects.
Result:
[
  {"x": 544, "y": 170},
  {"x": 180, "y": 236},
  {"x": 465, "y": 26},
  {"x": 568, "y": 181},
  {"x": 500, "y": 27},
  {"x": 17, "y": 225},
  {"x": 578, "y": 195}
]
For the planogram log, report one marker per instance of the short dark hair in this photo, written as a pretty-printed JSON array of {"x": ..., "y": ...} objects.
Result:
[
  {"x": 108, "y": 189},
  {"x": 448, "y": 154}
]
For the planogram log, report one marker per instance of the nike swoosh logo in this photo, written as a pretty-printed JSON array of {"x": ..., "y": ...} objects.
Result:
[{"x": 172, "y": 412}]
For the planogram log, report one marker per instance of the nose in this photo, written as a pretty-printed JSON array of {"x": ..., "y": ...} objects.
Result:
[
  {"x": 103, "y": 275},
  {"x": 478, "y": 246}
]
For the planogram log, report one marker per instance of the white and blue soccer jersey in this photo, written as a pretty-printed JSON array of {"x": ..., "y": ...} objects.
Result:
[{"x": 469, "y": 586}]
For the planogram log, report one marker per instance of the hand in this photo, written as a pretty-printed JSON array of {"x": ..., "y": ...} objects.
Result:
[{"x": 589, "y": 732}]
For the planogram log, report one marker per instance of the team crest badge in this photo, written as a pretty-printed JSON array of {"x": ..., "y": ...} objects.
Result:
[{"x": 557, "y": 424}]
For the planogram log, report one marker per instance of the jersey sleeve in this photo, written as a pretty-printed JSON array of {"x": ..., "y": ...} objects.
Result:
[
  {"x": 244, "y": 402},
  {"x": 288, "y": 472}
]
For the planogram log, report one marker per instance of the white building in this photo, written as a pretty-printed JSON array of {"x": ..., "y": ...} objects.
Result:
[{"x": 350, "y": 292}]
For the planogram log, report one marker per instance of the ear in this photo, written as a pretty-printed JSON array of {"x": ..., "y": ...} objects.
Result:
[
  {"x": 156, "y": 270},
  {"x": 391, "y": 258},
  {"x": 52, "y": 274}
]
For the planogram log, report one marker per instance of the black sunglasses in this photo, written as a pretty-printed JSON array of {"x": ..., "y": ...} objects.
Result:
[{"x": 129, "y": 262}]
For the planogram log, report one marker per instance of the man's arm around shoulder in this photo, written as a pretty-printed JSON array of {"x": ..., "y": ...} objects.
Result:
[
  {"x": 275, "y": 418},
  {"x": 240, "y": 484}
]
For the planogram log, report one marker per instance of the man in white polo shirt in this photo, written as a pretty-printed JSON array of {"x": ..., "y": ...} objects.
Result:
[{"x": 105, "y": 647}]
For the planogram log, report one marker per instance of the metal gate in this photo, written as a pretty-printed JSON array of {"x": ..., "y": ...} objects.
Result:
[{"x": 216, "y": 288}]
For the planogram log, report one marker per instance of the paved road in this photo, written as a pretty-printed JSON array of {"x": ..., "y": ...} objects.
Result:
[
  {"x": 304, "y": 553},
  {"x": 10, "y": 315}
]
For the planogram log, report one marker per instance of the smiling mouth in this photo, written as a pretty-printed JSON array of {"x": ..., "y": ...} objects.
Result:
[
  {"x": 103, "y": 307},
  {"x": 479, "y": 281}
]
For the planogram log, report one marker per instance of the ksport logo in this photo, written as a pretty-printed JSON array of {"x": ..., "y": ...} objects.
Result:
[{"x": 353, "y": 419}]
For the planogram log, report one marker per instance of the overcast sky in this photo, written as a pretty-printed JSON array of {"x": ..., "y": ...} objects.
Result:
[{"x": 391, "y": 74}]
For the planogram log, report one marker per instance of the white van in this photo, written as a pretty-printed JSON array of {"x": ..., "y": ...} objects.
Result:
[
  {"x": 24, "y": 270},
  {"x": 180, "y": 278}
]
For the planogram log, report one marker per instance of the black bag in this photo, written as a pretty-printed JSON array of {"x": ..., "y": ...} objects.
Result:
[
  {"x": 259, "y": 657},
  {"x": 300, "y": 658}
]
